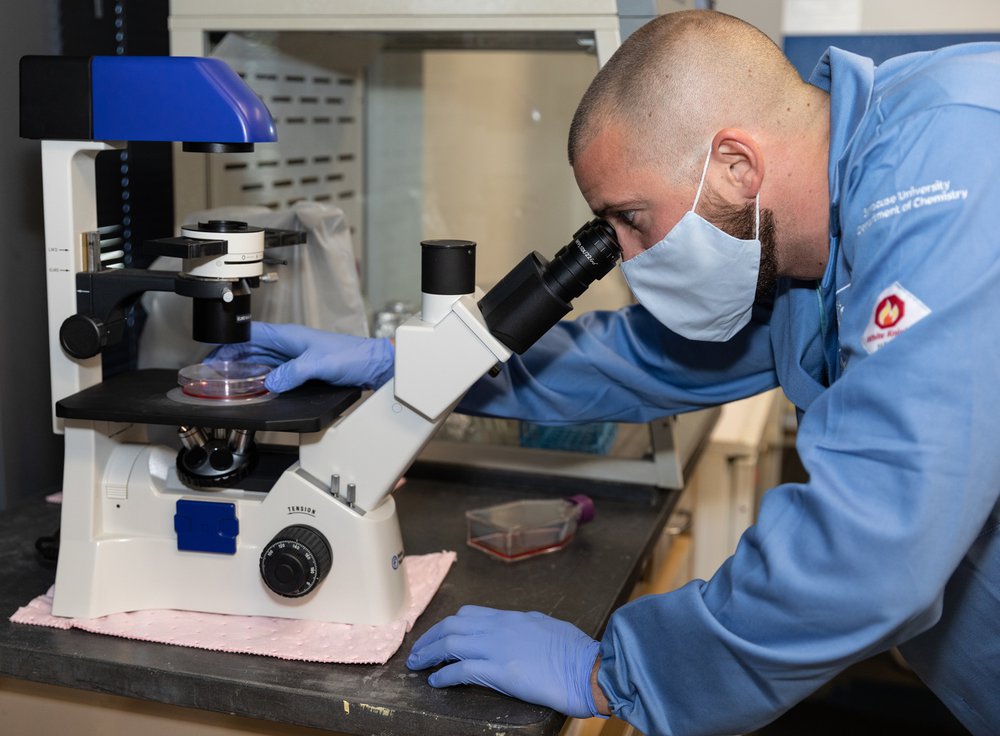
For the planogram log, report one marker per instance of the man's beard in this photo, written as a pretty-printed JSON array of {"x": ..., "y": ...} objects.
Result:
[{"x": 740, "y": 223}]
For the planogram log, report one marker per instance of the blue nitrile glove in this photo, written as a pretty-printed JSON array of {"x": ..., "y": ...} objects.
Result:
[
  {"x": 529, "y": 656},
  {"x": 303, "y": 353}
]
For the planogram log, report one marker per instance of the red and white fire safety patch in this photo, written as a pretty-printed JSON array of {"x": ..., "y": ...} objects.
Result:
[{"x": 896, "y": 310}]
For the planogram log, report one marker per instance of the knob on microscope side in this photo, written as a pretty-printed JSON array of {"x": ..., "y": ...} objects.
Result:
[{"x": 295, "y": 561}]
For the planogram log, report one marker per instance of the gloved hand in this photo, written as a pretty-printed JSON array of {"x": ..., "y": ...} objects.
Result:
[
  {"x": 303, "y": 353},
  {"x": 529, "y": 656}
]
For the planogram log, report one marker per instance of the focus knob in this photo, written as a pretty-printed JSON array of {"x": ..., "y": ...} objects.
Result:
[
  {"x": 82, "y": 336},
  {"x": 295, "y": 561}
]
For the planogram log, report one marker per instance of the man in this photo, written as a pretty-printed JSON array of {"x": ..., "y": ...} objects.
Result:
[{"x": 834, "y": 238}]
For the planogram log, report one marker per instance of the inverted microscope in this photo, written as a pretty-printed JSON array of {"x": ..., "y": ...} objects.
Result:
[{"x": 222, "y": 523}]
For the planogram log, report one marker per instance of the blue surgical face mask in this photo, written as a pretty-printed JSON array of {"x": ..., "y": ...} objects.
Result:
[{"x": 698, "y": 281}]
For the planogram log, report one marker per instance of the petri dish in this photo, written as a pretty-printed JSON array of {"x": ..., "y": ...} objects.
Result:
[
  {"x": 522, "y": 529},
  {"x": 223, "y": 380}
]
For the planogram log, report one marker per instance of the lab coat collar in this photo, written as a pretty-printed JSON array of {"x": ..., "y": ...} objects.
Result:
[{"x": 849, "y": 79}]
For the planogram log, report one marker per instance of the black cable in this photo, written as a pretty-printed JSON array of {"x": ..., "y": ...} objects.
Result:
[{"x": 48, "y": 549}]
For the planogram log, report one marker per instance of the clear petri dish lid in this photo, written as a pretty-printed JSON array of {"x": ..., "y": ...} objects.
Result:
[{"x": 223, "y": 379}]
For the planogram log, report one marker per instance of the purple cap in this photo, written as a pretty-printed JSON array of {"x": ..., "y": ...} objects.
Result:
[{"x": 586, "y": 504}]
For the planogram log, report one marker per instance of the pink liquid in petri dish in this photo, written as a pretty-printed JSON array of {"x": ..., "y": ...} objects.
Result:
[{"x": 223, "y": 380}]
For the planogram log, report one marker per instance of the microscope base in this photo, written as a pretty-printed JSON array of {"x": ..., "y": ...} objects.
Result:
[{"x": 121, "y": 548}]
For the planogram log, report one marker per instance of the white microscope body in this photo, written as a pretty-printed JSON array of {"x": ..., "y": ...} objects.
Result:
[
  {"x": 322, "y": 543},
  {"x": 205, "y": 528},
  {"x": 330, "y": 513}
]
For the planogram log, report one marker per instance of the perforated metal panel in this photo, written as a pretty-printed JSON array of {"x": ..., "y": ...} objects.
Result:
[{"x": 317, "y": 111}]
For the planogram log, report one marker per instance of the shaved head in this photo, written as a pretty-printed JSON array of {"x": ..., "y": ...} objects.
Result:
[{"x": 680, "y": 78}]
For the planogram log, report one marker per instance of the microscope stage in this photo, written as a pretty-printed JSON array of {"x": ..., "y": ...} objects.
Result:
[{"x": 141, "y": 397}]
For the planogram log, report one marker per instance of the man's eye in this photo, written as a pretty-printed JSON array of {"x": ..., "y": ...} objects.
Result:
[{"x": 627, "y": 217}]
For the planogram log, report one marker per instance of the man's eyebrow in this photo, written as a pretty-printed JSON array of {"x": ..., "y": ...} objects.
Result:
[{"x": 613, "y": 207}]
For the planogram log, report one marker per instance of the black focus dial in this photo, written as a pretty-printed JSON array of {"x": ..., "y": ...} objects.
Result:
[
  {"x": 295, "y": 561},
  {"x": 82, "y": 336}
]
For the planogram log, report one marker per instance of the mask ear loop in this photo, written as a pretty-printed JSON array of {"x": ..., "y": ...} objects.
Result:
[
  {"x": 704, "y": 170},
  {"x": 697, "y": 196},
  {"x": 756, "y": 207}
]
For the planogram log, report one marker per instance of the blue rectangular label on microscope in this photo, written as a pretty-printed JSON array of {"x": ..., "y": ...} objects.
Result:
[{"x": 206, "y": 526}]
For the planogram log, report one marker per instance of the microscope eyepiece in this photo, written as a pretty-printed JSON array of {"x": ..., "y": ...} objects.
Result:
[
  {"x": 537, "y": 293},
  {"x": 591, "y": 254}
]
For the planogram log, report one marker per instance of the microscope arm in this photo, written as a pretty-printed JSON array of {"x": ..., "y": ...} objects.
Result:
[
  {"x": 103, "y": 298},
  {"x": 362, "y": 456},
  {"x": 440, "y": 354}
]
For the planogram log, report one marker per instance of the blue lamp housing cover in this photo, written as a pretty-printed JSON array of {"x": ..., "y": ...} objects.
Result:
[
  {"x": 199, "y": 102},
  {"x": 175, "y": 98}
]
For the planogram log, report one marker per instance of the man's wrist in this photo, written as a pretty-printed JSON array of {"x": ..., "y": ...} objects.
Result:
[{"x": 600, "y": 699}]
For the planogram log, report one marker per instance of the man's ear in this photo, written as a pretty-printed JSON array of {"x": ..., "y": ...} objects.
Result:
[{"x": 741, "y": 164}]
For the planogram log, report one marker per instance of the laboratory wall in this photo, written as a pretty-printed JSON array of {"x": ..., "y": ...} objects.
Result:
[
  {"x": 778, "y": 18},
  {"x": 881, "y": 29},
  {"x": 764, "y": 14},
  {"x": 501, "y": 176},
  {"x": 30, "y": 454},
  {"x": 888, "y": 16}
]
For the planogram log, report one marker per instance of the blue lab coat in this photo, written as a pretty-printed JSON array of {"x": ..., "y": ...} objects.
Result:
[{"x": 893, "y": 360}]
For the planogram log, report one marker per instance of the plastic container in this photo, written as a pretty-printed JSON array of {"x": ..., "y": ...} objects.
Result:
[
  {"x": 223, "y": 380},
  {"x": 522, "y": 529},
  {"x": 596, "y": 438}
]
